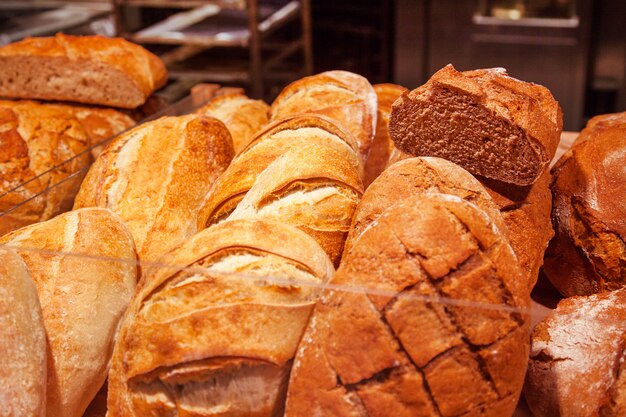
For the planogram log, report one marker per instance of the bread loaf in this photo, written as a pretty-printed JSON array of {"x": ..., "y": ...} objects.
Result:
[
  {"x": 85, "y": 69},
  {"x": 347, "y": 98},
  {"x": 492, "y": 125},
  {"x": 588, "y": 252},
  {"x": 425, "y": 317},
  {"x": 214, "y": 333},
  {"x": 577, "y": 359},
  {"x": 382, "y": 145},
  {"x": 156, "y": 177},
  {"x": 242, "y": 116},
  {"x": 83, "y": 264},
  {"x": 41, "y": 145},
  {"x": 22, "y": 341}
]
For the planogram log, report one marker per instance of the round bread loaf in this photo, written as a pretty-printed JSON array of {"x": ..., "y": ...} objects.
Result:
[
  {"x": 578, "y": 359},
  {"x": 22, "y": 341},
  {"x": 425, "y": 317},
  {"x": 489, "y": 123},
  {"x": 588, "y": 252}
]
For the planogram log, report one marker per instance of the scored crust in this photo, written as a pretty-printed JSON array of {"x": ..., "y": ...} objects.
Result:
[
  {"x": 487, "y": 122},
  {"x": 404, "y": 328}
]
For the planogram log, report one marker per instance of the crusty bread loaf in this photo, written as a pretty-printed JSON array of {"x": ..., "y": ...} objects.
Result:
[
  {"x": 417, "y": 176},
  {"x": 382, "y": 145},
  {"x": 526, "y": 213},
  {"x": 22, "y": 341},
  {"x": 347, "y": 98},
  {"x": 83, "y": 264},
  {"x": 214, "y": 334},
  {"x": 578, "y": 359},
  {"x": 36, "y": 140},
  {"x": 487, "y": 122},
  {"x": 156, "y": 177},
  {"x": 588, "y": 252},
  {"x": 84, "y": 69},
  {"x": 425, "y": 317},
  {"x": 242, "y": 116}
]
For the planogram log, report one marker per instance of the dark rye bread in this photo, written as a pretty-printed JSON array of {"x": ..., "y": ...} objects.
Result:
[
  {"x": 588, "y": 252},
  {"x": 404, "y": 350},
  {"x": 487, "y": 122},
  {"x": 577, "y": 359}
]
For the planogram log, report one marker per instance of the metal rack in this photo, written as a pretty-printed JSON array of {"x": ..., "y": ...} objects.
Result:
[{"x": 193, "y": 27}]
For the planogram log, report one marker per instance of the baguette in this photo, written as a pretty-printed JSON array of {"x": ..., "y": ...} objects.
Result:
[
  {"x": 407, "y": 338},
  {"x": 159, "y": 194},
  {"x": 83, "y": 265},
  {"x": 85, "y": 69},
  {"x": 493, "y": 125},
  {"x": 214, "y": 334},
  {"x": 22, "y": 341}
]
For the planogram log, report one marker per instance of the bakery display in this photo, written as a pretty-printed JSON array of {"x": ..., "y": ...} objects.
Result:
[
  {"x": 588, "y": 252},
  {"x": 394, "y": 345},
  {"x": 159, "y": 194},
  {"x": 22, "y": 341},
  {"x": 83, "y": 266},
  {"x": 85, "y": 69},
  {"x": 214, "y": 333},
  {"x": 494, "y": 125},
  {"x": 577, "y": 356}
]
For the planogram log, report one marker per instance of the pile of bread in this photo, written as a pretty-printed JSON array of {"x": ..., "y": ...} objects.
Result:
[{"x": 196, "y": 270}]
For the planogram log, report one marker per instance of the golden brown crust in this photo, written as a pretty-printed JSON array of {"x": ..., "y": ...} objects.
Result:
[
  {"x": 347, "y": 98},
  {"x": 83, "y": 264},
  {"x": 222, "y": 323},
  {"x": 497, "y": 126},
  {"x": 386, "y": 325},
  {"x": 588, "y": 252},
  {"x": 22, "y": 340},
  {"x": 159, "y": 194},
  {"x": 242, "y": 116},
  {"x": 131, "y": 63},
  {"x": 577, "y": 352},
  {"x": 40, "y": 146}
]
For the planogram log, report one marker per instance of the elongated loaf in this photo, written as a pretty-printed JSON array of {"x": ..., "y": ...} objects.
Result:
[
  {"x": 84, "y": 69},
  {"x": 588, "y": 252},
  {"x": 347, "y": 98},
  {"x": 487, "y": 122},
  {"x": 242, "y": 116},
  {"x": 22, "y": 341},
  {"x": 425, "y": 317},
  {"x": 156, "y": 177},
  {"x": 214, "y": 333},
  {"x": 382, "y": 145},
  {"x": 83, "y": 264},
  {"x": 578, "y": 359},
  {"x": 40, "y": 146}
]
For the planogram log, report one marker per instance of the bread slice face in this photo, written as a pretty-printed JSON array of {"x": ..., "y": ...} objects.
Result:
[{"x": 487, "y": 122}]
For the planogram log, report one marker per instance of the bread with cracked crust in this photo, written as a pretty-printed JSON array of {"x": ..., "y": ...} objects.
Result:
[
  {"x": 213, "y": 332},
  {"x": 425, "y": 317},
  {"x": 489, "y": 123},
  {"x": 85, "y": 69}
]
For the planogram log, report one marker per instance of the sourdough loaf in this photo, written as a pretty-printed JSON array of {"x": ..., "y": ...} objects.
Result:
[
  {"x": 22, "y": 341},
  {"x": 347, "y": 98},
  {"x": 382, "y": 145},
  {"x": 83, "y": 265},
  {"x": 85, "y": 69},
  {"x": 425, "y": 317},
  {"x": 156, "y": 177},
  {"x": 588, "y": 252},
  {"x": 213, "y": 332},
  {"x": 487, "y": 122},
  {"x": 242, "y": 116},
  {"x": 578, "y": 359}
]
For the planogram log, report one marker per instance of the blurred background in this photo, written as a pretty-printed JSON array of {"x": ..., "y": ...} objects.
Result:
[{"x": 577, "y": 48}]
